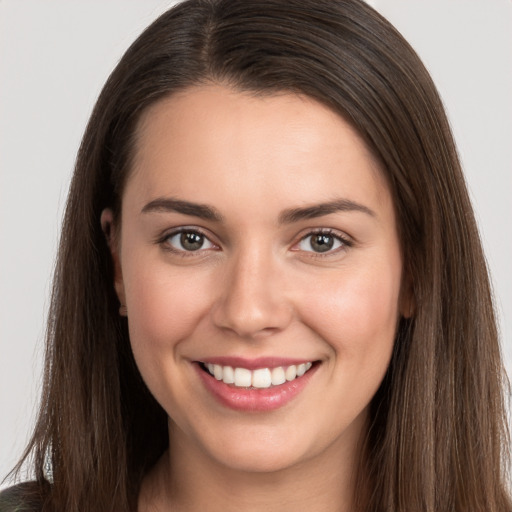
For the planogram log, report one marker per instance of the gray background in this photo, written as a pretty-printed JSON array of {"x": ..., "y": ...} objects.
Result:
[{"x": 54, "y": 58}]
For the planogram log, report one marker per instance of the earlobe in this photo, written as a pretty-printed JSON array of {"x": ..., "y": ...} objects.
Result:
[
  {"x": 109, "y": 230},
  {"x": 107, "y": 220}
]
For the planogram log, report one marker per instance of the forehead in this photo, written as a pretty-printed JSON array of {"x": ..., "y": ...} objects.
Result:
[{"x": 210, "y": 139}]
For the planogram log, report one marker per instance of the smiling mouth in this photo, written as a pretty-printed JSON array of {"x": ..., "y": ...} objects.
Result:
[{"x": 260, "y": 378}]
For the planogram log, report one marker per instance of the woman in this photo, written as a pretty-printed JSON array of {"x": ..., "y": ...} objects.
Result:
[{"x": 270, "y": 291}]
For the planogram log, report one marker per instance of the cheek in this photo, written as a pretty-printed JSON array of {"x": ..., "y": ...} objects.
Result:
[
  {"x": 163, "y": 304},
  {"x": 356, "y": 312},
  {"x": 356, "y": 316},
  {"x": 164, "y": 308}
]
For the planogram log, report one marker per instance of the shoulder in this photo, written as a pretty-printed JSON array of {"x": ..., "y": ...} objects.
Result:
[{"x": 24, "y": 497}]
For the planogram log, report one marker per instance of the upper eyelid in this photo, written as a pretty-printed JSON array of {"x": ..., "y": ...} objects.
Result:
[
  {"x": 175, "y": 231},
  {"x": 344, "y": 237}
]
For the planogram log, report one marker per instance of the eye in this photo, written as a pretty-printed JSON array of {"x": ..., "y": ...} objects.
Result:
[
  {"x": 188, "y": 240},
  {"x": 322, "y": 242}
]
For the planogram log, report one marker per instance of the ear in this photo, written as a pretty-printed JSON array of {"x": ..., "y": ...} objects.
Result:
[{"x": 110, "y": 231}]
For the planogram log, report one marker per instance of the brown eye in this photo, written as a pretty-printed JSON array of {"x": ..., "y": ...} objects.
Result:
[
  {"x": 321, "y": 243},
  {"x": 189, "y": 241}
]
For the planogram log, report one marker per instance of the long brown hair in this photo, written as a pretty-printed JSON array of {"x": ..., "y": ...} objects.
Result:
[{"x": 437, "y": 439}]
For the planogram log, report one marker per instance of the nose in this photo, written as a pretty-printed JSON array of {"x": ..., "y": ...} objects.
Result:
[{"x": 252, "y": 298}]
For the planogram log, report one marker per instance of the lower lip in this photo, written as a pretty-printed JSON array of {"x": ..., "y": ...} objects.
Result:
[{"x": 253, "y": 399}]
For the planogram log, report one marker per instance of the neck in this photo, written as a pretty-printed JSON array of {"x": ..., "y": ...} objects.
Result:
[{"x": 188, "y": 480}]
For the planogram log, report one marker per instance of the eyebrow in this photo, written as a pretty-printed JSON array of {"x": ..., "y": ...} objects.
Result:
[
  {"x": 319, "y": 210},
  {"x": 289, "y": 216},
  {"x": 164, "y": 204}
]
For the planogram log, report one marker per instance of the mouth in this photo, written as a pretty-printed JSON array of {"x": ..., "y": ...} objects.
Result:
[
  {"x": 252, "y": 386},
  {"x": 260, "y": 378}
]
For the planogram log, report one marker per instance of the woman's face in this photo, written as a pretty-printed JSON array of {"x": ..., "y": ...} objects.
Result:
[{"x": 258, "y": 239}]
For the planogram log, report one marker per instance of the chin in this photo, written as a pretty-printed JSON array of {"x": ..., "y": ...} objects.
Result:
[
  {"x": 258, "y": 460},
  {"x": 259, "y": 449}
]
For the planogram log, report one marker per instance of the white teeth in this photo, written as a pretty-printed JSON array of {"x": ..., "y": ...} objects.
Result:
[
  {"x": 301, "y": 370},
  {"x": 228, "y": 375},
  {"x": 290, "y": 373},
  {"x": 261, "y": 378},
  {"x": 243, "y": 378},
  {"x": 217, "y": 371},
  {"x": 278, "y": 376}
]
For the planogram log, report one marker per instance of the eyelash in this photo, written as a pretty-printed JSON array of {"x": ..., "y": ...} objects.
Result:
[
  {"x": 343, "y": 240},
  {"x": 164, "y": 241}
]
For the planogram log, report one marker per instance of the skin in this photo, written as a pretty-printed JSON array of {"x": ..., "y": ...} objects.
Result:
[{"x": 257, "y": 288}]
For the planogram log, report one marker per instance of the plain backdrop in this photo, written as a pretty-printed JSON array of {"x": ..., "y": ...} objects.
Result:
[{"x": 54, "y": 59}]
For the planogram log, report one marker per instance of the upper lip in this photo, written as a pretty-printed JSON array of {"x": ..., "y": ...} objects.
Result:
[{"x": 254, "y": 364}]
